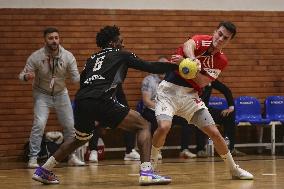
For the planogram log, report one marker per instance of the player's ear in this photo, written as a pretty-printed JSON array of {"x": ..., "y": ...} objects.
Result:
[{"x": 113, "y": 44}]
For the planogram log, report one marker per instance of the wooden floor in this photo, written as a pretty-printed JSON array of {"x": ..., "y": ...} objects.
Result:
[{"x": 208, "y": 173}]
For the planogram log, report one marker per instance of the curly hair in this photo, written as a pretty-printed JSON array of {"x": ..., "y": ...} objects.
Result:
[{"x": 107, "y": 35}]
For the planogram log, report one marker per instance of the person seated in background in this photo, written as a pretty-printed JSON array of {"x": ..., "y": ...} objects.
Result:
[
  {"x": 129, "y": 138},
  {"x": 226, "y": 118},
  {"x": 149, "y": 90}
]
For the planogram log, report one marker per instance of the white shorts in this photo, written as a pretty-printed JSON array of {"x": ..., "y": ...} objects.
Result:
[{"x": 182, "y": 101}]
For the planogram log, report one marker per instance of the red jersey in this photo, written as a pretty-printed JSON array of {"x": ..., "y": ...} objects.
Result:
[{"x": 211, "y": 65}]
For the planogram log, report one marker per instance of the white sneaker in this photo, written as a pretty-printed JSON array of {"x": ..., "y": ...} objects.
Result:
[
  {"x": 241, "y": 174},
  {"x": 93, "y": 156},
  {"x": 187, "y": 154},
  {"x": 74, "y": 161},
  {"x": 33, "y": 163},
  {"x": 132, "y": 156}
]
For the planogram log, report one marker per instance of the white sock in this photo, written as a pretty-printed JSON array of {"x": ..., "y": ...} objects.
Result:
[
  {"x": 155, "y": 152},
  {"x": 50, "y": 163},
  {"x": 145, "y": 166},
  {"x": 229, "y": 161}
]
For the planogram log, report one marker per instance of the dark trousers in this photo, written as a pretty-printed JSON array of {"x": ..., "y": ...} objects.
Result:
[
  {"x": 227, "y": 122},
  {"x": 93, "y": 143},
  {"x": 149, "y": 115},
  {"x": 129, "y": 140}
]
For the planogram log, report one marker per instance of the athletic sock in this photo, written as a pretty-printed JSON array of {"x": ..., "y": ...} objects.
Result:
[
  {"x": 155, "y": 152},
  {"x": 145, "y": 166},
  {"x": 229, "y": 161},
  {"x": 50, "y": 163}
]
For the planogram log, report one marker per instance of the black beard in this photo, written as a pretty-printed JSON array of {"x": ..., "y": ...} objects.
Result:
[{"x": 51, "y": 47}]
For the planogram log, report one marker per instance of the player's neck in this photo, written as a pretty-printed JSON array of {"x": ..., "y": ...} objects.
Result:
[{"x": 212, "y": 50}]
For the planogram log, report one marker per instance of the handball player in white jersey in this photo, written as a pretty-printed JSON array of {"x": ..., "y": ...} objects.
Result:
[{"x": 179, "y": 96}]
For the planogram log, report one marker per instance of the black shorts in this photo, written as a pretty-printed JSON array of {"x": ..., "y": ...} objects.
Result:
[{"x": 108, "y": 112}]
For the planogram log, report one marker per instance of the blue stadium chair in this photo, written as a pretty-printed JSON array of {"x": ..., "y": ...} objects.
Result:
[
  {"x": 248, "y": 111},
  {"x": 140, "y": 106},
  {"x": 274, "y": 112},
  {"x": 218, "y": 103},
  {"x": 274, "y": 108}
]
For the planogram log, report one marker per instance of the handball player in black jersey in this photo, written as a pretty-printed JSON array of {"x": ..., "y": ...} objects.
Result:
[{"x": 95, "y": 101}]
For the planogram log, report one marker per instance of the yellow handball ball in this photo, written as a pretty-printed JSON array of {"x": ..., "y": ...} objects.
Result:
[{"x": 188, "y": 68}]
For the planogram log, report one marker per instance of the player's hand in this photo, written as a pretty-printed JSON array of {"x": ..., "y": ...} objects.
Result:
[
  {"x": 29, "y": 76},
  {"x": 198, "y": 64},
  {"x": 176, "y": 59},
  {"x": 226, "y": 112}
]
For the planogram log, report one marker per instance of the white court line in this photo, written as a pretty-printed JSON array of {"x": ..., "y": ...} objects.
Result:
[
  {"x": 269, "y": 174},
  {"x": 133, "y": 174}
]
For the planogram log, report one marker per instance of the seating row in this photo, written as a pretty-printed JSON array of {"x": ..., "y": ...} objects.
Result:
[{"x": 248, "y": 111}]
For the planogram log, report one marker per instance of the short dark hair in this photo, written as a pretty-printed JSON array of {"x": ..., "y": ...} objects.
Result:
[
  {"x": 229, "y": 26},
  {"x": 107, "y": 35},
  {"x": 49, "y": 30}
]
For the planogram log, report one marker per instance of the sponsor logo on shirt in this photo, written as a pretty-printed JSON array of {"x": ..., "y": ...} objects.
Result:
[{"x": 93, "y": 78}]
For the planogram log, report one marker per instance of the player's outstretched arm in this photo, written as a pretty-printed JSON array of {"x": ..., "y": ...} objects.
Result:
[{"x": 152, "y": 67}]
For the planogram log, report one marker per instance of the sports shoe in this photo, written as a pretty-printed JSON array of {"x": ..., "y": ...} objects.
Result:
[
  {"x": 33, "y": 163},
  {"x": 93, "y": 156},
  {"x": 74, "y": 161},
  {"x": 186, "y": 154},
  {"x": 202, "y": 154},
  {"x": 150, "y": 178},
  {"x": 237, "y": 153},
  {"x": 132, "y": 156},
  {"x": 44, "y": 176},
  {"x": 241, "y": 174}
]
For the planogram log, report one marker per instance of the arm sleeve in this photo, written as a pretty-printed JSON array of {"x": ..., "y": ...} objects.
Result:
[
  {"x": 198, "y": 41},
  {"x": 224, "y": 90},
  {"x": 152, "y": 67},
  {"x": 29, "y": 67},
  {"x": 84, "y": 72},
  {"x": 206, "y": 93},
  {"x": 146, "y": 85}
]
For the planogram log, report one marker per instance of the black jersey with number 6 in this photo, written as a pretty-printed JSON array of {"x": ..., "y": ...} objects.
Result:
[{"x": 106, "y": 69}]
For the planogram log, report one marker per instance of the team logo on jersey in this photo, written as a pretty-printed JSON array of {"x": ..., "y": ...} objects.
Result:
[{"x": 209, "y": 67}]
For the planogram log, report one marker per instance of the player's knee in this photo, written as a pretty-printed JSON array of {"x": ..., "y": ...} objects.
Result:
[
  {"x": 216, "y": 135},
  {"x": 164, "y": 128},
  {"x": 39, "y": 124},
  {"x": 139, "y": 124},
  {"x": 142, "y": 123}
]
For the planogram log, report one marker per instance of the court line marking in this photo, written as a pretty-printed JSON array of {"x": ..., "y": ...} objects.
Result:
[
  {"x": 269, "y": 174},
  {"x": 133, "y": 174}
]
